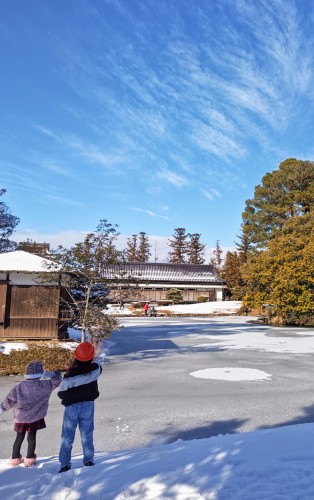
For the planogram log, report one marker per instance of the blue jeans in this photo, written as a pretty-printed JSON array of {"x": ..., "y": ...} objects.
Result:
[{"x": 82, "y": 415}]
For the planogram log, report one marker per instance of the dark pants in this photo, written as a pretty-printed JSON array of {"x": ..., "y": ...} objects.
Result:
[{"x": 31, "y": 444}]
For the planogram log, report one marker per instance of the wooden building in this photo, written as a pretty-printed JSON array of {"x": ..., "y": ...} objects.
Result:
[
  {"x": 29, "y": 309},
  {"x": 151, "y": 281}
]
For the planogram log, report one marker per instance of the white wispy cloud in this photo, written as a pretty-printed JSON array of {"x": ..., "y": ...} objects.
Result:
[
  {"x": 64, "y": 200},
  {"x": 216, "y": 142},
  {"x": 56, "y": 167},
  {"x": 210, "y": 96},
  {"x": 208, "y": 195},
  {"x": 172, "y": 178},
  {"x": 47, "y": 131},
  {"x": 149, "y": 212},
  {"x": 211, "y": 193},
  {"x": 91, "y": 152},
  {"x": 215, "y": 192}
]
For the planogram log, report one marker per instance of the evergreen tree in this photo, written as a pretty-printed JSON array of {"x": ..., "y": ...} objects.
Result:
[
  {"x": 144, "y": 248},
  {"x": 279, "y": 223},
  {"x": 216, "y": 260},
  {"x": 175, "y": 295},
  {"x": 131, "y": 250},
  {"x": 283, "y": 275},
  {"x": 179, "y": 246},
  {"x": 7, "y": 224},
  {"x": 243, "y": 247},
  {"x": 284, "y": 193},
  {"x": 195, "y": 250},
  {"x": 231, "y": 272},
  {"x": 138, "y": 248}
]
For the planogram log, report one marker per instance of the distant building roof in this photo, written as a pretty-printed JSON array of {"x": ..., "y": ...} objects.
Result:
[
  {"x": 157, "y": 272},
  {"x": 41, "y": 249},
  {"x": 23, "y": 261}
]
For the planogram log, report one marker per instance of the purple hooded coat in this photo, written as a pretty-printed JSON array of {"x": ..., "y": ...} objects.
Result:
[{"x": 29, "y": 399}]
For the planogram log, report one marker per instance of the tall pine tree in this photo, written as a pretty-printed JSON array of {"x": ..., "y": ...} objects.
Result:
[
  {"x": 216, "y": 260},
  {"x": 179, "y": 246},
  {"x": 243, "y": 247},
  {"x": 144, "y": 248},
  {"x": 196, "y": 249},
  {"x": 231, "y": 272},
  {"x": 284, "y": 193},
  {"x": 131, "y": 250},
  {"x": 138, "y": 248}
]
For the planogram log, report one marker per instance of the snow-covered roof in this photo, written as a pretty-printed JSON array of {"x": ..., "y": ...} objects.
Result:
[{"x": 23, "y": 261}]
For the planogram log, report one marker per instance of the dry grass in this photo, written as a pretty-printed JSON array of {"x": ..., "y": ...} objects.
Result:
[{"x": 52, "y": 356}]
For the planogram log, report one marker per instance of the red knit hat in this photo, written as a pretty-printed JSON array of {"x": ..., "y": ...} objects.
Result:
[{"x": 84, "y": 352}]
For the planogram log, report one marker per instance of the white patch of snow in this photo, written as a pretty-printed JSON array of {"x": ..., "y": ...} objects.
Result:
[
  {"x": 231, "y": 374},
  {"x": 7, "y": 347},
  {"x": 249, "y": 337},
  {"x": 115, "y": 309},
  {"x": 68, "y": 345},
  {"x": 223, "y": 307}
]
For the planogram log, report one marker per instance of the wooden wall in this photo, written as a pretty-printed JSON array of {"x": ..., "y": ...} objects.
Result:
[
  {"x": 3, "y": 295},
  {"x": 29, "y": 328},
  {"x": 30, "y": 312}
]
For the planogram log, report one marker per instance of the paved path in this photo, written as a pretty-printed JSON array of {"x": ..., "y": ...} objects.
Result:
[{"x": 148, "y": 395}]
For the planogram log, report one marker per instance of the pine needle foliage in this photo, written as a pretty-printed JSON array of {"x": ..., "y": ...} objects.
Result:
[
  {"x": 175, "y": 295},
  {"x": 279, "y": 222},
  {"x": 179, "y": 245}
]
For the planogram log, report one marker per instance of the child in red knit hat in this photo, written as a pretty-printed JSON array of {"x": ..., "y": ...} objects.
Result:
[{"x": 78, "y": 391}]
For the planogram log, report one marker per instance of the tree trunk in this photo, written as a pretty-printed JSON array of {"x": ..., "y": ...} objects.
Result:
[{"x": 84, "y": 328}]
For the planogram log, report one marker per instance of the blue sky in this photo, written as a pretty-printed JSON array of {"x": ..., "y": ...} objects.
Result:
[{"x": 151, "y": 114}]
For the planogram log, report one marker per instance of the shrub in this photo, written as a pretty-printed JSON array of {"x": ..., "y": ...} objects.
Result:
[
  {"x": 202, "y": 298},
  {"x": 174, "y": 295},
  {"x": 53, "y": 358}
]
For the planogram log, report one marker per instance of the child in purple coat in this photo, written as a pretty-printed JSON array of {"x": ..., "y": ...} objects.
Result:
[{"x": 29, "y": 400}]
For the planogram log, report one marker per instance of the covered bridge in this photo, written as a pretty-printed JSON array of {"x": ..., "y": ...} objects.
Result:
[
  {"x": 29, "y": 309},
  {"x": 151, "y": 281}
]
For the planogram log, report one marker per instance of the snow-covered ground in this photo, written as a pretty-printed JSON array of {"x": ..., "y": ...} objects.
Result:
[
  {"x": 223, "y": 307},
  {"x": 273, "y": 464}
]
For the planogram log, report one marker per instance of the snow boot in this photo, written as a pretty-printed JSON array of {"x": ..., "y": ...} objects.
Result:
[
  {"x": 89, "y": 464},
  {"x": 16, "y": 461},
  {"x": 28, "y": 462},
  {"x": 65, "y": 468}
]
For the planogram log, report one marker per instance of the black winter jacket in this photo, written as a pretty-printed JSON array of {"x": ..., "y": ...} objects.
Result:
[{"x": 80, "y": 383}]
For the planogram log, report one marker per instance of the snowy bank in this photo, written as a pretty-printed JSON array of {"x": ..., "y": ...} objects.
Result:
[
  {"x": 210, "y": 308},
  {"x": 223, "y": 307},
  {"x": 274, "y": 464}
]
